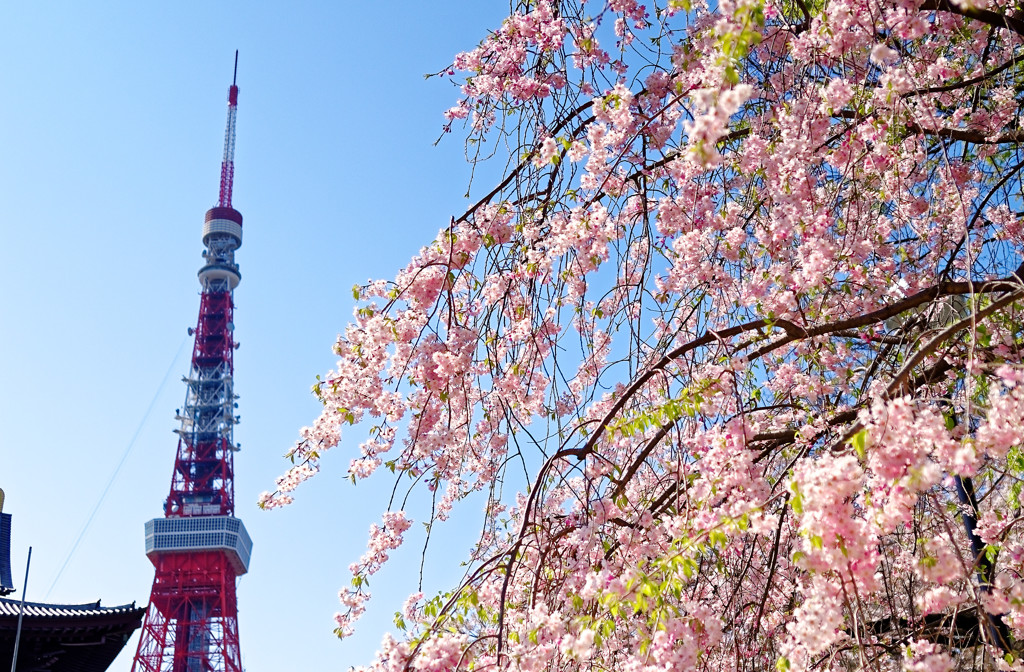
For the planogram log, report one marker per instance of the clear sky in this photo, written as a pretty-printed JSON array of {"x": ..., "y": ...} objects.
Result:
[{"x": 111, "y": 130}]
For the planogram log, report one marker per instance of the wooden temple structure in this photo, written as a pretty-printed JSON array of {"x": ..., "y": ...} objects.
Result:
[
  {"x": 65, "y": 637},
  {"x": 58, "y": 637}
]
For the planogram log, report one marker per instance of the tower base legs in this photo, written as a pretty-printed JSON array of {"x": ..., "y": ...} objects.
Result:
[{"x": 192, "y": 621}]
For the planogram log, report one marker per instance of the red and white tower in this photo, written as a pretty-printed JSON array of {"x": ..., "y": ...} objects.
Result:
[{"x": 199, "y": 548}]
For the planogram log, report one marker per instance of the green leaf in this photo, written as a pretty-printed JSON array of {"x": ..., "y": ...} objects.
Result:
[
  {"x": 859, "y": 442},
  {"x": 796, "y": 501}
]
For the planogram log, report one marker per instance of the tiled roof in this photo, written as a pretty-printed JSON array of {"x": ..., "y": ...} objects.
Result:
[
  {"x": 10, "y": 607},
  {"x": 66, "y": 637}
]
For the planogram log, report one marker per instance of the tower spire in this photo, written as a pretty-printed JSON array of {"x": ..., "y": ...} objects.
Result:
[
  {"x": 199, "y": 548},
  {"x": 227, "y": 165}
]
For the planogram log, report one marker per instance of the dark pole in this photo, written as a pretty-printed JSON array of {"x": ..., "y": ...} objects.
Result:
[{"x": 21, "y": 612}]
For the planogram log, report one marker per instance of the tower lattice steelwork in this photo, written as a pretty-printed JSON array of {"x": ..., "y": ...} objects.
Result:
[{"x": 199, "y": 548}]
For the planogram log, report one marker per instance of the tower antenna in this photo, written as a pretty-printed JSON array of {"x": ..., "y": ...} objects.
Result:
[{"x": 227, "y": 165}]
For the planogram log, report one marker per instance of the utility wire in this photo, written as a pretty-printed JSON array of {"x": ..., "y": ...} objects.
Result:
[{"x": 117, "y": 469}]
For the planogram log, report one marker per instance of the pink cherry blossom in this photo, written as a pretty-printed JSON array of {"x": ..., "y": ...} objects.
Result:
[{"x": 731, "y": 354}]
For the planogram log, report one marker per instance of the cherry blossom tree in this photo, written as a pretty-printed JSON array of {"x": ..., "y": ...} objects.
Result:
[{"x": 745, "y": 309}]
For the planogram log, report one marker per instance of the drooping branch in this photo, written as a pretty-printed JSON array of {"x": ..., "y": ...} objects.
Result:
[{"x": 986, "y": 16}]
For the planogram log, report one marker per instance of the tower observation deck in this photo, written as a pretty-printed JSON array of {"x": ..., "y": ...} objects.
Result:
[{"x": 198, "y": 547}]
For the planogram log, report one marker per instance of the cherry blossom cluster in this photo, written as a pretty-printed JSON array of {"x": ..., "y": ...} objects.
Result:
[{"x": 734, "y": 350}]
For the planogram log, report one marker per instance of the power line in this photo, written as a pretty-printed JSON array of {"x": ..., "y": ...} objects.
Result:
[{"x": 117, "y": 469}]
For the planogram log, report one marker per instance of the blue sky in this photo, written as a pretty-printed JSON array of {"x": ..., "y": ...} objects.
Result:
[{"x": 111, "y": 130}]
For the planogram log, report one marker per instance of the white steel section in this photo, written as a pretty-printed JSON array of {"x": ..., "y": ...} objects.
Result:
[
  {"x": 205, "y": 533},
  {"x": 229, "y": 136},
  {"x": 208, "y": 274},
  {"x": 223, "y": 226},
  {"x": 209, "y": 410}
]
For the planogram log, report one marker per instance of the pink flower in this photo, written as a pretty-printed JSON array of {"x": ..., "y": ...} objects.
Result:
[
  {"x": 883, "y": 55},
  {"x": 1010, "y": 375},
  {"x": 547, "y": 152}
]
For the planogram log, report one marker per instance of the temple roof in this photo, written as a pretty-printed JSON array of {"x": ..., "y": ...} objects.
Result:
[
  {"x": 66, "y": 637},
  {"x": 10, "y": 607}
]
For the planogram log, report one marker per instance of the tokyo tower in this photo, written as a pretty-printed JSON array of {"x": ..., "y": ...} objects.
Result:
[{"x": 199, "y": 548}]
